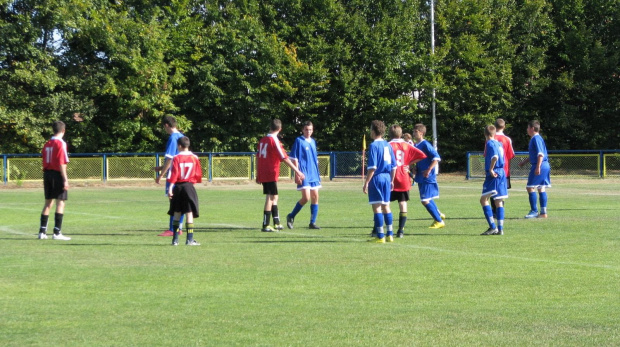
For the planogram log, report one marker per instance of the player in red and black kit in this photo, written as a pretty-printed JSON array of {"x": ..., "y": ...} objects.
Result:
[
  {"x": 55, "y": 181},
  {"x": 406, "y": 155},
  {"x": 270, "y": 154},
  {"x": 185, "y": 171}
]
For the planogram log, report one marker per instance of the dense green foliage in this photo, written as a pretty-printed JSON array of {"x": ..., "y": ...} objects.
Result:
[{"x": 112, "y": 69}]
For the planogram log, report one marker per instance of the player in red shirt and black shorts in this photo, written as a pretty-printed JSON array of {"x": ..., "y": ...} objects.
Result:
[
  {"x": 185, "y": 171},
  {"x": 55, "y": 182},
  {"x": 270, "y": 154},
  {"x": 406, "y": 155}
]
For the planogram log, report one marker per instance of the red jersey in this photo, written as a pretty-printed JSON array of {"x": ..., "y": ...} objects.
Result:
[
  {"x": 405, "y": 154},
  {"x": 54, "y": 154},
  {"x": 185, "y": 168},
  {"x": 270, "y": 154},
  {"x": 509, "y": 153}
]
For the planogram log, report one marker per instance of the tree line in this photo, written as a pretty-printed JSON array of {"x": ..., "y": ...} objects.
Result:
[{"x": 111, "y": 69}]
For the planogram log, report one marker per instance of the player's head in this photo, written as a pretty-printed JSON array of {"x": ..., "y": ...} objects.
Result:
[
  {"x": 534, "y": 125},
  {"x": 396, "y": 132},
  {"x": 407, "y": 137},
  {"x": 489, "y": 131},
  {"x": 419, "y": 130},
  {"x": 377, "y": 128},
  {"x": 500, "y": 124},
  {"x": 169, "y": 123},
  {"x": 308, "y": 129},
  {"x": 183, "y": 143},
  {"x": 58, "y": 127},
  {"x": 275, "y": 125}
]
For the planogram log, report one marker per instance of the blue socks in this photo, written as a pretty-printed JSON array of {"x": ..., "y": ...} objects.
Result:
[
  {"x": 296, "y": 209},
  {"x": 533, "y": 201},
  {"x": 432, "y": 209},
  {"x": 543, "y": 202},
  {"x": 488, "y": 214},
  {"x": 389, "y": 220},
  {"x": 379, "y": 225},
  {"x": 500, "y": 218},
  {"x": 314, "y": 212}
]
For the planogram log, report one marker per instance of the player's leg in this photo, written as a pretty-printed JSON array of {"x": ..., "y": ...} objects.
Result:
[
  {"x": 499, "y": 206},
  {"x": 189, "y": 230},
  {"x": 378, "y": 223},
  {"x": 269, "y": 189},
  {"x": 533, "y": 199},
  {"x": 488, "y": 214},
  {"x": 275, "y": 215},
  {"x": 542, "y": 194},
  {"x": 176, "y": 217},
  {"x": 402, "y": 217},
  {"x": 45, "y": 214},
  {"x": 58, "y": 217},
  {"x": 305, "y": 196},
  {"x": 389, "y": 221},
  {"x": 314, "y": 208}
]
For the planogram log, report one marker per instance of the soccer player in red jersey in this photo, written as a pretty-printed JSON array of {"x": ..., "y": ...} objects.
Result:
[
  {"x": 55, "y": 181},
  {"x": 185, "y": 171},
  {"x": 270, "y": 154},
  {"x": 406, "y": 154}
]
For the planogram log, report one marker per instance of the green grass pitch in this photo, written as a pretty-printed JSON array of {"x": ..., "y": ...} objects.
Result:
[{"x": 545, "y": 282}]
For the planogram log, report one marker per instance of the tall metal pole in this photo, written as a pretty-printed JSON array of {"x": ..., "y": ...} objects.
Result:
[{"x": 433, "y": 69}]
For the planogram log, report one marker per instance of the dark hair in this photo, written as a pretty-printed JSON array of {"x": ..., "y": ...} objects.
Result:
[
  {"x": 534, "y": 124},
  {"x": 58, "y": 127},
  {"x": 170, "y": 121},
  {"x": 378, "y": 127},
  {"x": 275, "y": 125},
  {"x": 307, "y": 124},
  {"x": 396, "y": 132},
  {"x": 183, "y": 142},
  {"x": 489, "y": 130}
]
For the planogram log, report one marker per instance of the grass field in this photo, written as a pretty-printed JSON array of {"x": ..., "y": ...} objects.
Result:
[{"x": 553, "y": 282}]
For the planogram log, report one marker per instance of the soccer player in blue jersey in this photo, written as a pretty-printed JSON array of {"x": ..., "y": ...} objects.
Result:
[
  {"x": 305, "y": 157},
  {"x": 540, "y": 172},
  {"x": 380, "y": 182},
  {"x": 495, "y": 185},
  {"x": 426, "y": 176},
  {"x": 170, "y": 126}
]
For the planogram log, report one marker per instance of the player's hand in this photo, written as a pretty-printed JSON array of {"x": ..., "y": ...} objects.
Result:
[
  {"x": 300, "y": 176},
  {"x": 66, "y": 186},
  {"x": 406, "y": 169},
  {"x": 537, "y": 171},
  {"x": 426, "y": 173},
  {"x": 157, "y": 179},
  {"x": 365, "y": 188},
  {"x": 298, "y": 180},
  {"x": 493, "y": 173}
]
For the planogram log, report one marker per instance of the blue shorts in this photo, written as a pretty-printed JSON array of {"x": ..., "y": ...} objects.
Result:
[
  {"x": 495, "y": 187},
  {"x": 540, "y": 181},
  {"x": 309, "y": 185},
  {"x": 428, "y": 191},
  {"x": 379, "y": 189}
]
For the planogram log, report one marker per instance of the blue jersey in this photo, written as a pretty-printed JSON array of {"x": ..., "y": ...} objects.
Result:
[
  {"x": 381, "y": 157},
  {"x": 172, "y": 144},
  {"x": 424, "y": 164},
  {"x": 304, "y": 152},
  {"x": 493, "y": 149},
  {"x": 537, "y": 147}
]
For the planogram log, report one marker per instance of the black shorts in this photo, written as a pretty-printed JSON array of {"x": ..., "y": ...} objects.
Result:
[
  {"x": 399, "y": 196},
  {"x": 184, "y": 199},
  {"x": 54, "y": 185},
  {"x": 270, "y": 188}
]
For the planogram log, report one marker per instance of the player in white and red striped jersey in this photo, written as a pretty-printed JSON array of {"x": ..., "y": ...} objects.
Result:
[
  {"x": 406, "y": 154},
  {"x": 270, "y": 154},
  {"x": 185, "y": 171}
]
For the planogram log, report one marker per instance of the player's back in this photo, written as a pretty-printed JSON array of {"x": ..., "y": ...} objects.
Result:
[
  {"x": 381, "y": 157},
  {"x": 54, "y": 154},
  {"x": 270, "y": 154},
  {"x": 186, "y": 167}
]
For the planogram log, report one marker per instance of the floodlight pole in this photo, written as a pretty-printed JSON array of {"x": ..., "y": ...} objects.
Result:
[{"x": 433, "y": 69}]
